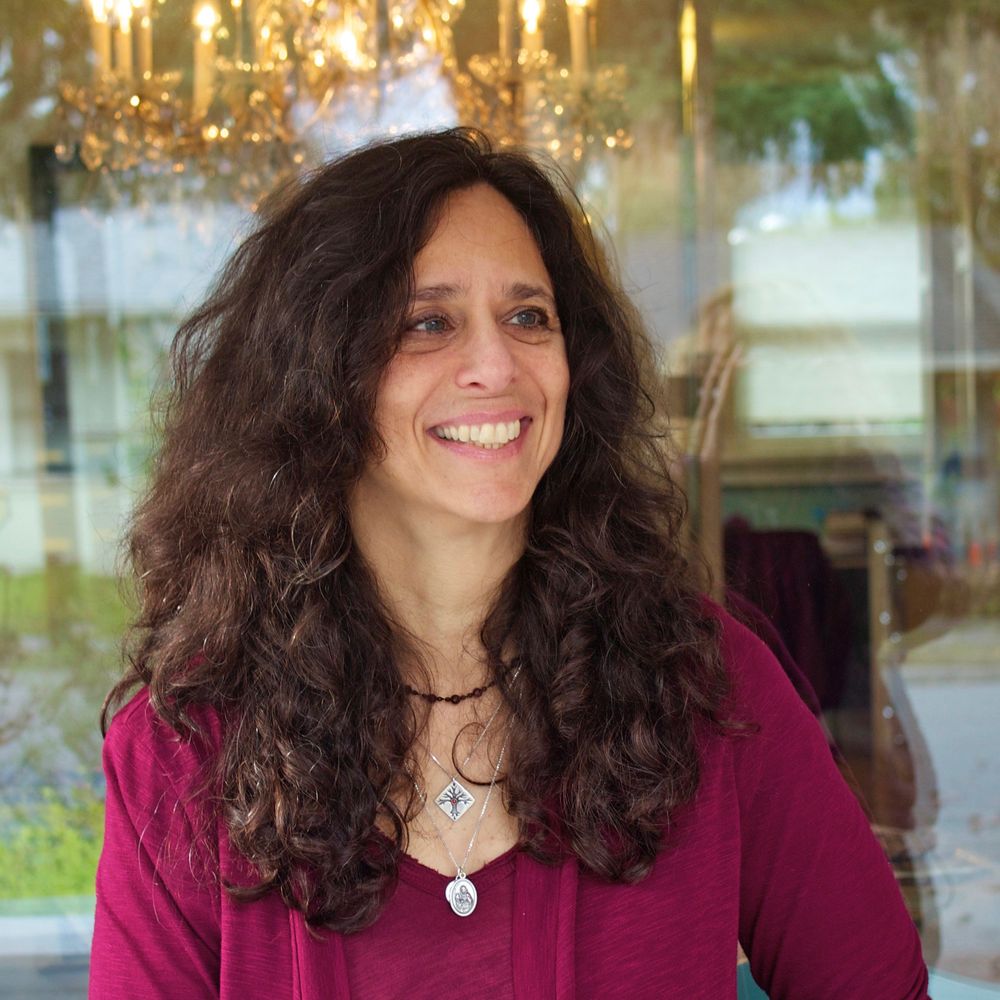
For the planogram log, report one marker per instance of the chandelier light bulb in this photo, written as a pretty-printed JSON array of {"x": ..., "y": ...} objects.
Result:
[
  {"x": 206, "y": 19},
  {"x": 123, "y": 39},
  {"x": 346, "y": 43},
  {"x": 123, "y": 12},
  {"x": 100, "y": 38},
  {"x": 532, "y": 12},
  {"x": 689, "y": 62},
  {"x": 577, "y": 12},
  {"x": 99, "y": 11}
]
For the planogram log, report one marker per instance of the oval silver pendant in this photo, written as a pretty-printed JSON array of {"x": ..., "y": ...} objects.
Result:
[{"x": 461, "y": 896}]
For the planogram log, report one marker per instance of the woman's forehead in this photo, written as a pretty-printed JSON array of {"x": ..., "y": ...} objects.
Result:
[{"x": 477, "y": 229}]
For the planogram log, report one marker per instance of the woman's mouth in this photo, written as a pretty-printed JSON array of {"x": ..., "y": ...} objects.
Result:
[{"x": 483, "y": 435}]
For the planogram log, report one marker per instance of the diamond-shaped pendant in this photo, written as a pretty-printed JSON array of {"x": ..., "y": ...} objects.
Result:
[{"x": 455, "y": 800}]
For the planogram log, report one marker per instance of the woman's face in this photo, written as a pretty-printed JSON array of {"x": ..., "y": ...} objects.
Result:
[{"x": 471, "y": 407}]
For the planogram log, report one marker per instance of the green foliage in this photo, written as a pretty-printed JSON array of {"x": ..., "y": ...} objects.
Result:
[
  {"x": 844, "y": 118},
  {"x": 60, "y": 654},
  {"x": 50, "y": 847},
  {"x": 834, "y": 87},
  {"x": 62, "y": 600}
]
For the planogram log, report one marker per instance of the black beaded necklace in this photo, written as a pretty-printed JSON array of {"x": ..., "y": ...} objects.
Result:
[{"x": 453, "y": 699}]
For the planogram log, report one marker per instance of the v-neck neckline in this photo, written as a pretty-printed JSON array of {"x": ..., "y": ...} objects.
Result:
[
  {"x": 542, "y": 931},
  {"x": 430, "y": 880}
]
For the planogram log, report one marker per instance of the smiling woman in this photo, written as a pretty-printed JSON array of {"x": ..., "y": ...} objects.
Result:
[
  {"x": 431, "y": 702},
  {"x": 483, "y": 351}
]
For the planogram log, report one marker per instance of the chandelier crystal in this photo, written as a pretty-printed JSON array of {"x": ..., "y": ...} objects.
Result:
[{"x": 262, "y": 73}]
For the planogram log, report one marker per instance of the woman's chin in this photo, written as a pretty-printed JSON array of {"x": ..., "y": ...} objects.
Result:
[{"x": 494, "y": 509}]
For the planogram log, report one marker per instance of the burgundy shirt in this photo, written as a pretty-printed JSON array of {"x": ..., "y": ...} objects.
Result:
[
  {"x": 773, "y": 852},
  {"x": 433, "y": 964}
]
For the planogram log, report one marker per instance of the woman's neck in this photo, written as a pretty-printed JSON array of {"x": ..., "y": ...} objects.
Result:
[{"x": 439, "y": 581}]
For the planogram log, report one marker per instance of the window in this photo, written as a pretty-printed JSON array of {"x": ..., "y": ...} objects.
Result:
[{"x": 809, "y": 218}]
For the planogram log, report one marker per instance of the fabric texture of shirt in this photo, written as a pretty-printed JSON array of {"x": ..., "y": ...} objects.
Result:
[
  {"x": 451, "y": 956},
  {"x": 773, "y": 852}
]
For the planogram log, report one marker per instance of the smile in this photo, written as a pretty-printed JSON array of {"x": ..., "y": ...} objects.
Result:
[{"x": 489, "y": 436}]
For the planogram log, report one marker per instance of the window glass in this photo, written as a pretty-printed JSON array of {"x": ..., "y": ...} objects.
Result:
[{"x": 808, "y": 215}]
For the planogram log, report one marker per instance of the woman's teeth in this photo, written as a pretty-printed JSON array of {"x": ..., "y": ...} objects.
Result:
[{"x": 482, "y": 435}]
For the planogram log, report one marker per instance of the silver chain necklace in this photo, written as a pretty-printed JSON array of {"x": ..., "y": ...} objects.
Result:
[
  {"x": 460, "y": 892},
  {"x": 454, "y": 800}
]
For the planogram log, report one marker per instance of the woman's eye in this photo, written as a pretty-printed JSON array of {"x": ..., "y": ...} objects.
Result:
[
  {"x": 531, "y": 318},
  {"x": 428, "y": 324}
]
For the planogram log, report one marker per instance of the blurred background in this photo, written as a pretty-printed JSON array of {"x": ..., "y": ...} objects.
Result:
[{"x": 803, "y": 196}]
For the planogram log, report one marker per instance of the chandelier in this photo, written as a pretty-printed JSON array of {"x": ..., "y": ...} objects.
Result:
[
  {"x": 531, "y": 99},
  {"x": 253, "y": 77}
]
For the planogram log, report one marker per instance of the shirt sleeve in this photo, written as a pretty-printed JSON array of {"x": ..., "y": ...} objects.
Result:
[
  {"x": 156, "y": 929},
  {"x": 821, "y": 915}
]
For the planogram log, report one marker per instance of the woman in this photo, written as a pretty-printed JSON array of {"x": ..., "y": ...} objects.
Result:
[{"x": 431, "y": 704}]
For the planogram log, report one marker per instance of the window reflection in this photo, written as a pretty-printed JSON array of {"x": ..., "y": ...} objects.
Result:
[
  {"x": 810, "y": 219},
  {"x": 839, "y": 234}
]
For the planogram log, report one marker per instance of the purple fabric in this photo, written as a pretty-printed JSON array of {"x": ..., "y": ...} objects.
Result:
[
  {"x": 750, "y": 615},
  {"x": 773, "y": 851},
  {"x": 789, "y": 577},
  {"x": 433, "y": 962},
  {"x": 747, "y": 613}
]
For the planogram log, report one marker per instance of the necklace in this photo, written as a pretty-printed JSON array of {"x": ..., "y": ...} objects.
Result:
[
  {"x": 460, "y": 892},
  {"x": 453, "y": 699},
  {"x": 454, "y": 800}
]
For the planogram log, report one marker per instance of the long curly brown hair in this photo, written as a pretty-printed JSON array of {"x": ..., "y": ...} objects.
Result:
[{"x": 253, "y": 599}]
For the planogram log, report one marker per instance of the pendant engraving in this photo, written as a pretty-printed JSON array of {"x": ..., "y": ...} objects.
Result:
[
  {"x": 461, "y": 896},
  {"x": 454, "y": 800}
]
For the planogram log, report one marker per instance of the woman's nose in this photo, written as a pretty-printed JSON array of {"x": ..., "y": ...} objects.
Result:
[{"x": 487, "y": 361}]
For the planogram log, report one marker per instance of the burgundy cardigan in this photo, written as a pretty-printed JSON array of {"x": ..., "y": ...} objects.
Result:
[{"x": 773, "y": 852}]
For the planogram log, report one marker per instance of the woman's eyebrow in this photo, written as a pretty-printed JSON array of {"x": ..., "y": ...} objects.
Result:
[
  {"x": 517, "y": 290},
  {"x": 432, "y": 293},
  {"x": 522, "y": 290}
]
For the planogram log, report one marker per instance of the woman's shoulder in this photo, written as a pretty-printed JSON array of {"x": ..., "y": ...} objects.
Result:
[
  {"x": 761, "y": 692},
  {"x": 742, "y": 650},
  {"x": 156, "y": 755}
]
